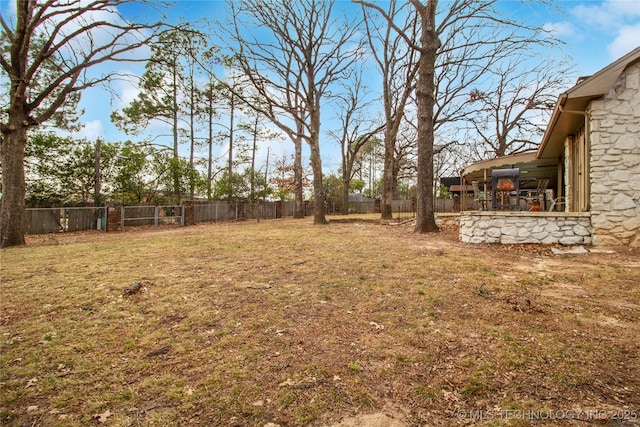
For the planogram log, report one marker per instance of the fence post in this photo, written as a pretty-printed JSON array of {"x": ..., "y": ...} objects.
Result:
[
  {"x": 182, "y": 211},
  {"x": 122, "y": 214},
  {"x": 155, "y": 217}
]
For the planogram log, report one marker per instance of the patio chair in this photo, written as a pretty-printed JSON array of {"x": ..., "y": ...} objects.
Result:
[
  {"x": 480, "y": 196},
  {"x": 557, "y": 201},
  {"x": 542, "y": 186},
  {"x": 540, "y": 195}
]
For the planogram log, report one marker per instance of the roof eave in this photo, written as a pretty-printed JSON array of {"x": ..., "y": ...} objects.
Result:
[
  {"x": 498, "y": 162},
  {"x": 590, "y": 88},
  {"x": 555, "y": 117}
]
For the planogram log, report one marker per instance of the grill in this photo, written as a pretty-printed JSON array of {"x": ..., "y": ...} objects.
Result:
[{"x": 505, "y": 184}]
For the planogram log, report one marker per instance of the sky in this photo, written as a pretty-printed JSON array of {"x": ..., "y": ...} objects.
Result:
[{"x": 595, "y": 33}]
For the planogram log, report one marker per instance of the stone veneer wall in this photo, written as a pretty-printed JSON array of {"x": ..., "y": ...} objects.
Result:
[
  {"x": 615, "y": 162},
  {"x": 525, "y": 227},
  {"x": 447, "y": 220}
]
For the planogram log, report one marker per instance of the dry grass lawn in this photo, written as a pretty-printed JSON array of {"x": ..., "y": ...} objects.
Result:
[{"x": 286, "y": 323}]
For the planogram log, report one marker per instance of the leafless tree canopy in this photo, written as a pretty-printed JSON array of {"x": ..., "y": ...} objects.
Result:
[
  {"x": 49, "y": 51},
  {"x": 293, "y": 53},
  {"x": 511, "y": 113},
  {"x": 356, "y": 128},
  {"x": 462, "y": 44},
  {"x": 398, "y": 65}
]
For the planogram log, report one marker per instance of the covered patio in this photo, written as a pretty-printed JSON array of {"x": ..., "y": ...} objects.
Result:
[
  {"x": 534, "y": 211},
  {"x": 539, "y": 180},
  {"x": 590, "y": 155}
]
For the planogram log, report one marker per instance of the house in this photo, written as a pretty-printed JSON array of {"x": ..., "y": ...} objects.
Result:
[{"x": 590, "y": 153}]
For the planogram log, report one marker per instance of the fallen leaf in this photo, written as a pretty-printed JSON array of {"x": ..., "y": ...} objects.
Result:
[
  {"x": 102, "y": 418},
  {"x": 32, "y": 408},
  {"x": 288, "y": 382},
  {"x": 376, "y": 325}
]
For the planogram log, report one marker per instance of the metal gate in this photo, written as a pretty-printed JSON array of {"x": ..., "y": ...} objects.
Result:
[{"x": 151, "y": 215}]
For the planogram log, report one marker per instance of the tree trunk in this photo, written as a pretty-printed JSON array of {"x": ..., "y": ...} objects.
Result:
[
  {"x": 316, "y": 163},
  {"x": 12, "y": 219},
  {"x": 425, "y": 93},
  {"x": 232, "y": 111},
  {"x": 210, "y": 160},
  {"x": 14, "y": 138},
  {"x": 318, "y": 192},
  {"x": 192, "y": 135},
  {"x": 345, "y": 191},
  {"x": 252, "y": 184},
  {"x": 97, "y": 193},
  {"x": 297, "y": 176},
  {"x": 388, "y": 175},
  {"x": 176, "y": 160}
]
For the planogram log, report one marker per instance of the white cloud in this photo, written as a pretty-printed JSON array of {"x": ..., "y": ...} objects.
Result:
[
  {"x": 89, "y": 38},
  {"x": 126, "y": 89},
  {"x": 607, "y": 15},
  {"x": 91, "y": 130},
  {"x": 628, "y": 8},
  {"x": 560, "y": 29},
  {"x": 628, "y": 38},
  {"x": 613, "y": 23}
]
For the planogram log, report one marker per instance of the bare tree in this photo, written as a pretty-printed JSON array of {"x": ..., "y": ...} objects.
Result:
[
  {"x": 398, "y": 64},
  {"x": 77, "y": 35},
  {"x": 427, "y": 48},
  {"x": 405, "y": 154},
  {"x": 514, "y": 109},
  {"x": 258, "y": 132},
  {"x": 355, "y": 130},
  {"x": 367, "y": 163},
  {"x": 306, "y": 52},
  {"x": 458, "y": 43},
  {"x": 425, "y": 94}
]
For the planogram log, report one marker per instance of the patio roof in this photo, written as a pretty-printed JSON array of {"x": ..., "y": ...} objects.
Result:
[{"x": 530, "y": 168}]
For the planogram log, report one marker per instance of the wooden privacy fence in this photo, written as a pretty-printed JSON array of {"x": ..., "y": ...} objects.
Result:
[
  {"x": 67, "y": 219},
  {"x": 60, "y": 220}
]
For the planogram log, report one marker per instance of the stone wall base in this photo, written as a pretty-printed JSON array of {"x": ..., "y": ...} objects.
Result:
[
  {"x": 447, "y": 220},
  {"x": 526, "y": 227}
]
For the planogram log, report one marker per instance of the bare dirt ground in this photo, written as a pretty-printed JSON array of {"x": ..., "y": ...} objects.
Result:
[{"x": 283, "y": 323}]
